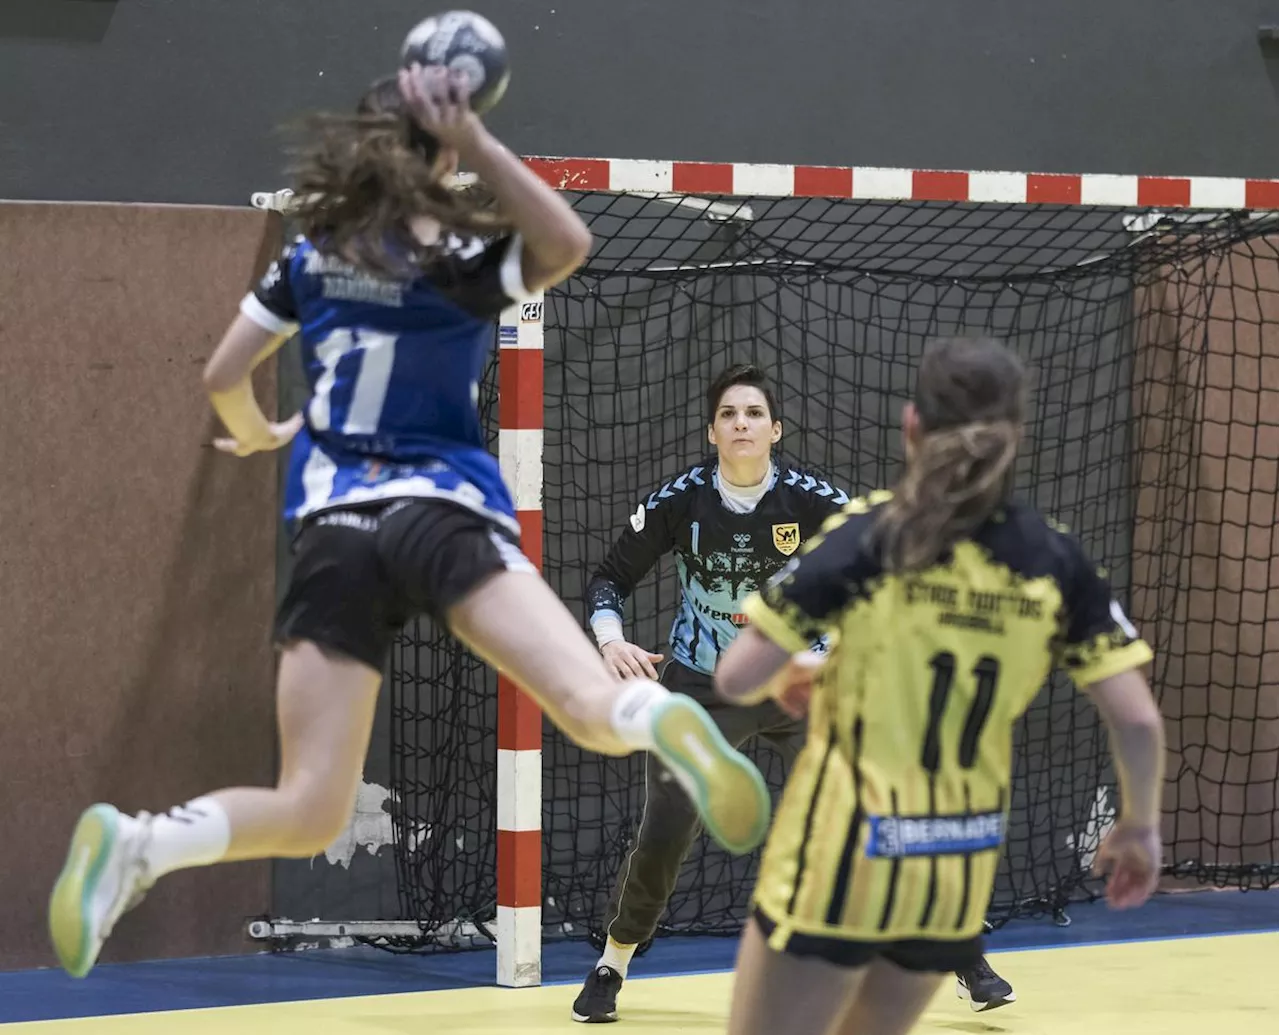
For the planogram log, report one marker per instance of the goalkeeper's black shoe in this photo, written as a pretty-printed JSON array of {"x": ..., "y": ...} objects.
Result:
[
  {"x": 597, "y": 1003},
  {"x": 983, "y": 987}
]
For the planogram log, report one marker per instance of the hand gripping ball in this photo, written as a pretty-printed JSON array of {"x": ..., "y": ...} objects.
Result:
[{"x": 465, "y": 42}]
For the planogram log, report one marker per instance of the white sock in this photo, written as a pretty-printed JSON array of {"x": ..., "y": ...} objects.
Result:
[
  {"x": 632, "y": 716},
  {"x": 195, "y": 834},
  {"x": 617, "y": 956}
]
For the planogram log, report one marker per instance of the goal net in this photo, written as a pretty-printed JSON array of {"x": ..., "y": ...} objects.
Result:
[{"x": 1149, "y": 329}]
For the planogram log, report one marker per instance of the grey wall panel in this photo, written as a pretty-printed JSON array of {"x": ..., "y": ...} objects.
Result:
[{"x": 174, "y": 100}]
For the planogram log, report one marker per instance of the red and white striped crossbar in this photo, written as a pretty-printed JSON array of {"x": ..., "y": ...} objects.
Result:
[
  {"x": 520, "y": 418},
  {"x": 870, "y": 182}
]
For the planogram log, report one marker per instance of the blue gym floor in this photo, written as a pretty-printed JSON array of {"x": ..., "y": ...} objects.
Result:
[{"x": 338, "y": 973}]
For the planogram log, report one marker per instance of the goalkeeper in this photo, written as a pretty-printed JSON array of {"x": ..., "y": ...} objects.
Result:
[{"x": 732, "y": 522}]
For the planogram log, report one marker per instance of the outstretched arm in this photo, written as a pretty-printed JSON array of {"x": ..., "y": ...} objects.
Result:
[
  {"x": 649, "y": 535},
  {"x": 755, "y": 668},
  {"x": 556, "y": 240}
]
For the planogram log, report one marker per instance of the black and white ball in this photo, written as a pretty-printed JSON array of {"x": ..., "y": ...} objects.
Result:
[{"x": 465, "y": 42}]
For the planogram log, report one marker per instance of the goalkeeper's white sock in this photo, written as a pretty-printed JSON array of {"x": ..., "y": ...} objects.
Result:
[
  {"x": 195, "y": 834},
  {"x": 617, "y": 956},
  {"x": 632, "y": 716}
]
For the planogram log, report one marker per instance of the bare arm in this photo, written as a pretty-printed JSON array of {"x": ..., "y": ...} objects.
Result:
[
  {"x": 761, "y": 669},
  {"x": 228, "y": 380},
  {"x": 1136, "y": 731},
  {"x": 751, "y": 669},
  {"x": 556, "y": 240}
]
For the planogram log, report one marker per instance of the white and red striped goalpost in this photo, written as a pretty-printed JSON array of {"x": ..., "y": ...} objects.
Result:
[
  {"x": 520, "y": 409},
  {"x": 520, "y": 441},
  {"x": 519, "y": 790}
]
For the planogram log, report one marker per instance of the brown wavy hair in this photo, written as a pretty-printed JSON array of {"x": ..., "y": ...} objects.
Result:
[
  {"x": 970, "y": 397},
  {"x": 359, "y": 179}
]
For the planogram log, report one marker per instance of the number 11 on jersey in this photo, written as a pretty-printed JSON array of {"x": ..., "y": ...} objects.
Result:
[
  {"x": 377, "y": 357},
  {"x": 986, "y": 672}
]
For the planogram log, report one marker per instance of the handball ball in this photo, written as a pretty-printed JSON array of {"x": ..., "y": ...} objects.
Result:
[{"x": 464, "y": 42}]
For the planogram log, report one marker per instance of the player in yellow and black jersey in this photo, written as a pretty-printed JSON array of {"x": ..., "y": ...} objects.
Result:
[{"x": 946, "y": 606}]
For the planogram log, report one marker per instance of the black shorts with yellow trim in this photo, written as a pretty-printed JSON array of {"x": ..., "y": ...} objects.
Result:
[{"x": 920, "y": 955}]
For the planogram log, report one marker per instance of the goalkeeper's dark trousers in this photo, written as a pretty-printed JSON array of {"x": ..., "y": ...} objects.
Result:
[{"x": 669, "y": 824}]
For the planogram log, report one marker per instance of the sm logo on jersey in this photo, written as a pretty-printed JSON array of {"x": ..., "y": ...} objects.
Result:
[{"x": 786, "y": 538}]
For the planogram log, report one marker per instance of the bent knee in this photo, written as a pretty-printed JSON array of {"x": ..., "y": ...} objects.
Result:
[{"x": 318, "y": 816}]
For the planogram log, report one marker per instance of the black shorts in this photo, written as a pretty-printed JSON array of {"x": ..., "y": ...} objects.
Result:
[
  {"x": 922, "y": 955},
  {"x": 360, "y": 573}
]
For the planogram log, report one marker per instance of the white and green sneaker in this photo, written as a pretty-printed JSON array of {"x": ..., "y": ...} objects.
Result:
[
  {"x": 104, "y": 876},
  {"x": 725, "y": 787}
]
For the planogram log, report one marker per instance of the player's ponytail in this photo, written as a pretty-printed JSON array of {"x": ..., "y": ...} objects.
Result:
[
  {"x": 969, "y": 399},
  {"x": 358, "y": 180}
]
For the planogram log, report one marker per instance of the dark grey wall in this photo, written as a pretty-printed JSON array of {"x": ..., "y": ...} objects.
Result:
[{"x": 176, "y": 100}]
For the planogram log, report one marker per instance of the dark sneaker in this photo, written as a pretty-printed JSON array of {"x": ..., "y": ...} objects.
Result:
[
  {"x": 983, "y": 987},
  {"x": 597, "y": 1003}
]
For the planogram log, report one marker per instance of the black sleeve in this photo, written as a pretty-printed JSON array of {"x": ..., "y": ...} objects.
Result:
[
  {"x": 804, "y": 601},
  {"x": 483, "y": 278},
  {"x": 1096, "y": 640},
  {"x": 649, "y": 534},
  {"x": 273, "y": 304}
]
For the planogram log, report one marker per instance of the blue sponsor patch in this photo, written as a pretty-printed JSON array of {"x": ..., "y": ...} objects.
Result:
[
  {"x": 895, "y": 837},
  {"x": 507, "y": 335}
]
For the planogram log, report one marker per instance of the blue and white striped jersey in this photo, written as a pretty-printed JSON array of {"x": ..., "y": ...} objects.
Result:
[{"x": 394, "y": 368}]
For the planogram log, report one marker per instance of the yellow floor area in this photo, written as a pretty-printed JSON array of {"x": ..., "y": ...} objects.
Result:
[{"x": 1225, "y": 985}]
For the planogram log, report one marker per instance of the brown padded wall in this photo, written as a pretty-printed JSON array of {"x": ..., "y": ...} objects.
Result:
[
  {"x": 138, "y": 564},
  {"x": 1205, "y": 575}
]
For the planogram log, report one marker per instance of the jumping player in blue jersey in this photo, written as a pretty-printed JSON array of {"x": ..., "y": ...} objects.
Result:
[{"x": 398, "y": 508}]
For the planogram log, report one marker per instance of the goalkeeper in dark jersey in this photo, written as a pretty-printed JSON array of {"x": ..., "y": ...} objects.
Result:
[{"x": 732, "y": 521}]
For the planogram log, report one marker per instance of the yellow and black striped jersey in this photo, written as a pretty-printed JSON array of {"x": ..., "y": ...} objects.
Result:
[{"x": 894, "y": 814}]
